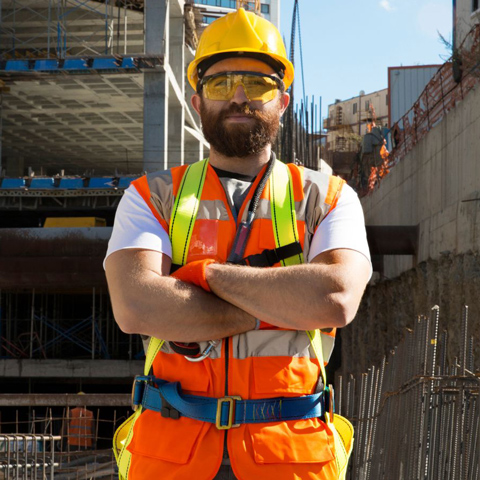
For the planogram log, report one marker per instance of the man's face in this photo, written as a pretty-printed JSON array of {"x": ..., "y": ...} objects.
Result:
[{"x": 239, "y": 127}]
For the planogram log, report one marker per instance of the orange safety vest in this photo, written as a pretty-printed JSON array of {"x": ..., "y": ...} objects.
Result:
[
  {"x": 253, "y": 365},
  {"x": 80, "y": 427}
]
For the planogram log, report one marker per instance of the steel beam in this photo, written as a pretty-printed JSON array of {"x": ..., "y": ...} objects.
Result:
[
  {"x": 72, "y": 369},
  {"x": 72, "y": 257}
]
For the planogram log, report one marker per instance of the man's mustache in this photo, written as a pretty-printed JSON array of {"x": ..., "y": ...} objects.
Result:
[{"x": 243, "y": 109}]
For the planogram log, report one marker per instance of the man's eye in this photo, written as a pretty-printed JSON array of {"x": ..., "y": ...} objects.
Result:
[
  {"x": 256, "y": 82},
  {"x": 219, "y": 82}
]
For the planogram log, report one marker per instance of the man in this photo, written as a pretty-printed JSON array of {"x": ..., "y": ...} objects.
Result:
[
  {"x": 187, "y": 268},
  {"x": 80, "y": 428}
]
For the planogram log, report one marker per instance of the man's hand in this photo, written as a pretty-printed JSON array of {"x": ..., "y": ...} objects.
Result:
[{"x": 194, "y": 273}]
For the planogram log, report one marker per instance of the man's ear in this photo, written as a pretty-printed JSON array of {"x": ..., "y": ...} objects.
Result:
[
  {"x": 284, "y": 101},
  {"x": 195, "y": 101}
]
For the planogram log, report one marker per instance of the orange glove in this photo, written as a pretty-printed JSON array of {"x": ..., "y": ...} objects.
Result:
[
  {"x": 194, "y": 272},
  {"x": 265, "y": 326}
]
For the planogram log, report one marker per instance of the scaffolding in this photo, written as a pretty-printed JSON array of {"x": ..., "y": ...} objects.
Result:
[
  {"x": 49, "y": 325},
  {"x": 61, "y": 28}
]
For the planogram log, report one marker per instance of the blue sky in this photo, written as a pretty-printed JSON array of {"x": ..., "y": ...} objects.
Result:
[{"x": 348, "y": 45}]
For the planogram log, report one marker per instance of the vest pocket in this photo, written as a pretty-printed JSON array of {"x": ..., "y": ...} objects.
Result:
[
  {"x": 295, "y": 441},
  {"x": 165, "y": 438},
  {"x": 280, "y": 376}
]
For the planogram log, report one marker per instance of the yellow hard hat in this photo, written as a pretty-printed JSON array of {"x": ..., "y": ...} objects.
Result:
[{"x": 240, "y": 33}]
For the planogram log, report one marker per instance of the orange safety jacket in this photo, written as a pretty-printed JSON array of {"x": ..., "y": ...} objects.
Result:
[
  {"x": 253, "y": 365},
  {"x": 80, "y": 427}
]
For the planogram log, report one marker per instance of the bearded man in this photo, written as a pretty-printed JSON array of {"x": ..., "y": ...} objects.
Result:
[{"x": 238, "y": 387}]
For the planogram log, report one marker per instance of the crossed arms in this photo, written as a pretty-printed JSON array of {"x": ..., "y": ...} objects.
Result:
[{"x": 324, "y": 293}]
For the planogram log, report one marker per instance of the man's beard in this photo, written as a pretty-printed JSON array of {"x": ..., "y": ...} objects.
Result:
[{"x": 239, "y": 139}]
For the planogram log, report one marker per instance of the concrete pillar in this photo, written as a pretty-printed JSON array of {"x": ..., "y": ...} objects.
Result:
[
  {"x": 155, "y": 115},
  {"x": 176, "y": 52},
  {"x": 155, "y": 95},
  {"x": 176, "y": 118},
  {"x": 175, "y": 135},
  {"x": 1, "y": 111},
  {"x": 193, "y": 149}
]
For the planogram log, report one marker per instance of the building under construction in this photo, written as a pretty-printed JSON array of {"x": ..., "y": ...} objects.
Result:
[{"x": 93, "y": 93}]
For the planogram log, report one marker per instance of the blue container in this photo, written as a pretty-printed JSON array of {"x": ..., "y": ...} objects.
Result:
[
  {"x": 71, "y": 183},
  {"x": 101, "y": 182},
  {"x": 42, "y": 183},
  {"x": 104, "y": 64},
  {"x": 12, "y": 183},
  {"x": 17, "y": 66}
]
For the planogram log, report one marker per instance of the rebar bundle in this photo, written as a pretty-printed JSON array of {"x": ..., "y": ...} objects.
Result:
[{"x": 416, "y": 416}]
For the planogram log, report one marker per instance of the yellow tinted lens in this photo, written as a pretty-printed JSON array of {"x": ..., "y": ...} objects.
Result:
[
  {"x": 223, "y": 87},
  {"x": 219, "y": 88},
  {"x": 259, "y": 88}
]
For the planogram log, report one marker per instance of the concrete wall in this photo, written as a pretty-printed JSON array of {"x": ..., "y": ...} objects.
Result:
[{"x": 437, "y": 186}]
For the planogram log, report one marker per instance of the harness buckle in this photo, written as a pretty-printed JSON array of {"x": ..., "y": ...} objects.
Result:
[
  {"x": 231, "y": 412},
  {"x": 330, "y": 400},
  {"x": 138, "y": 388}
]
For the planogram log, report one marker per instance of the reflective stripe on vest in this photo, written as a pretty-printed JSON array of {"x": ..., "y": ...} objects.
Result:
[
  {"x": 283, "y": 211},
  {"x": 185, "y": 210}
]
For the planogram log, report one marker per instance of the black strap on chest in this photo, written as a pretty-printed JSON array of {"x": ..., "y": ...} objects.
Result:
[{"x": 270, "y": 257}]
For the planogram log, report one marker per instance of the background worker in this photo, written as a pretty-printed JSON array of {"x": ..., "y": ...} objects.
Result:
[
  {"x": 257, "y": 316},
  {"x": 80, "y": 428}
]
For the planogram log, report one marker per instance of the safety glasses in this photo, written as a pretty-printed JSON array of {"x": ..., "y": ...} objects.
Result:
[{"x": 222, "y": 86}]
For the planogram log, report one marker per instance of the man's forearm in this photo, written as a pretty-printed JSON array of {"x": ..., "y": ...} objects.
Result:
[
  {"x": 300, "y": 297},
  {"x": 146, "y": 301}
]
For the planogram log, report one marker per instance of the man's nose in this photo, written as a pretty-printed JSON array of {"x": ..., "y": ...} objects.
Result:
[{"x": 240, "y": 96}]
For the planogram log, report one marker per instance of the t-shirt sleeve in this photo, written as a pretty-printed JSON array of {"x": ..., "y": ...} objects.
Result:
[
  {"x": 343, "y": 227},
  {"x": 136, "y": 227}
]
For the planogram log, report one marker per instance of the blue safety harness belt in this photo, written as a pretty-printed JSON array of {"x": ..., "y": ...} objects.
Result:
[{"x": 226, "y": 412}]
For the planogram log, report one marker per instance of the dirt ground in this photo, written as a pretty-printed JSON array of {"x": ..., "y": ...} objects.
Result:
[{"x": 391, "y": 306}]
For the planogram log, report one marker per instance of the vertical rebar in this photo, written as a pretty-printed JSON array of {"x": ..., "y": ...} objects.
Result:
[
  {"x": 93, "y": 323},
  {"x": 463, "y": 357},
  {"x": 32, "y": 320},
  {"x": 430, "y": 371},
  {"x": 360, "y": 420}
]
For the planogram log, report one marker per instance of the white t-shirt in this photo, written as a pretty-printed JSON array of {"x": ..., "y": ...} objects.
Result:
[{"x": 136, "y": 227}]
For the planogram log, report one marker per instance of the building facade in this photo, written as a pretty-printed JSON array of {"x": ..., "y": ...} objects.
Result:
[
  {"x": 466, "y": 14},
  {"x": 348, "y": 122},
  {"x": 213, "y": 9}
]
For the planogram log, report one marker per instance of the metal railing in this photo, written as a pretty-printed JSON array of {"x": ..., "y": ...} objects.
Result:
[
  {"x": 449, "y": 86},
  {"x": 27, "y": 456},
  {"x": 416, "y": 416}
]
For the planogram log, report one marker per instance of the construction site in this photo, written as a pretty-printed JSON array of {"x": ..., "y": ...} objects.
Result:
[{"x": 94, "y": 94}]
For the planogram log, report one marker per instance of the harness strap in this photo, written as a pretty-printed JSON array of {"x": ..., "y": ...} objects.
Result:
[
  {"x": 268, "y": 258},
  {"x": 185, "y": 210},
  {"x": 224, "y": 412},
  {"x": 316, "y": 343},
  {"x": 283, "y": 211}
]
